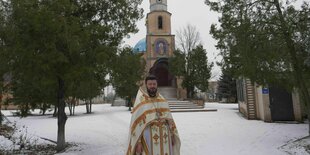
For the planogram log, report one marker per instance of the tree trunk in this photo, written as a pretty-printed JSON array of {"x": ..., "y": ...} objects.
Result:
[
  {"x": 55, "y": 111},
  {"x": 190, "y": 93},
  {"x": 90, "y": 106},
  {"x": 43, "y": 111},
  {"x": 113, "y": 99},
  {"x": 70, "y": 107},
  {"x": 62, "y": 117},
  {"x": 129, "y": 103},
  {"x": 1, "y": 118},
  {"x": 299, "y": 79},
  {"x": 74, "y": 108},
  {"x": 44, "y": 108},
  {"x": 87, "y": 107},
  {"x": 236, "y": 100},
  {"x": 24, "y": 110}
]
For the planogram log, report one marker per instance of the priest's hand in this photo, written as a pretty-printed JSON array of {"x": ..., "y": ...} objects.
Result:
[{"x": 139, "y": 148}]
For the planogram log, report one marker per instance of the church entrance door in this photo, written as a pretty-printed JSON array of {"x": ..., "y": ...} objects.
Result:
[{"x": 161, "y": 70}]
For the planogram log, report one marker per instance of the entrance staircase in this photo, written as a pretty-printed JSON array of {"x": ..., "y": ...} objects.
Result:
[
  {"x": 250, "y": 99},
  {"x": 170, "y": 94}
]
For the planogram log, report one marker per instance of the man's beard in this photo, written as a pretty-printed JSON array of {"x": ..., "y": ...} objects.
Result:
[{"x": 152, "y": 92}]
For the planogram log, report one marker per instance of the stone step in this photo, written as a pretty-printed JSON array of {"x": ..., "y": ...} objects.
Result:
[
  {"x": 186, "y": 108},
  {"x": 168, "y": 92},
  {"x": 171, "y": 99},
  {"x": 193, "y": 110},
  {"x": 179, "y": 102},
  {"x": 182, "y": 105}
]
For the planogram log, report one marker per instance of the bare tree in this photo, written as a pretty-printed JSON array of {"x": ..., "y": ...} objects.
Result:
[
  {"x": 191, "y": 53},
  {"x": 188, "y": 38}
]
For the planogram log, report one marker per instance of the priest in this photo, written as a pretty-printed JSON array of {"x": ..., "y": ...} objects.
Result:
[{"x": 152, "y": 128}]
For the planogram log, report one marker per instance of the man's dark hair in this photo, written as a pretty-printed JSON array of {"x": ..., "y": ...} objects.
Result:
[{"x": 150, "y": 77}]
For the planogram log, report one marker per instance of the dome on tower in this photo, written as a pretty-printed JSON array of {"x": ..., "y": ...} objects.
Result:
[
  {"x": 140, "y": 47},
  {"x": 158, "y": 5}
]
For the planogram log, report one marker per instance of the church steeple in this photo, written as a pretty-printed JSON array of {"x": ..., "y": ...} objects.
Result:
[
  {"x": 158, "y": 5},
  {"x": 158, "y": 21}
]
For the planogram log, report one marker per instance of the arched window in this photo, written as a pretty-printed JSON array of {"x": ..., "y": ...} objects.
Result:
[{"x": 160, "y": 22}]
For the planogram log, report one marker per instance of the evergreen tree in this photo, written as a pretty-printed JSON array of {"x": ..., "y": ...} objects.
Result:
[
  {"x": 265, "y": 41},
  {"x": 200, "y": 68},
  {"x": 127, "y": 72},
  {"x": 191, "y": 61},
  {"x": 177, "y": 63},
  {"x": 227, "y": 87},
  {"x": 198, "y": 71},
  {"x": 50, "y": 46},
  {"x": 194, "y": 68},
  {"x": 2, "y": 18},
  {"x": 1, "y": 119}
]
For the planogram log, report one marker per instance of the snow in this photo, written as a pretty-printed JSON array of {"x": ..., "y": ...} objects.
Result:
[
  {"x": 297, "y": 147},
  {"x": 5, "y": 143},
  {"x": 223, "y": 132}
]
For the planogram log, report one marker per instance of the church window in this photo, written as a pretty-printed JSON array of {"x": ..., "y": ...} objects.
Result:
[{"x": 160, "y": 22}]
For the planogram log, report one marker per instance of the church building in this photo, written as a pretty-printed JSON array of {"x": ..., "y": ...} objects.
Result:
[{"x": 158, "y": 47}]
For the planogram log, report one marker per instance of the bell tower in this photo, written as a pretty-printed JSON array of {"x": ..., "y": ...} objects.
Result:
[
  {"x": 159, "y": 19},
  {"x": 160, "y": 43}
]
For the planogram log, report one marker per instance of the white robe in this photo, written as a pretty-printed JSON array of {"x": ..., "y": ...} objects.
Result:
[{"x": 152, "y": 123}]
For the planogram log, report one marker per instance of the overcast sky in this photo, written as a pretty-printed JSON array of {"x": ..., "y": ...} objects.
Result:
[{"x": 194, "y": 12}]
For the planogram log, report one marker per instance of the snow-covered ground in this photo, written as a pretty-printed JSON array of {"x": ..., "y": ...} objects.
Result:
[{"x": 213, "y": 133}]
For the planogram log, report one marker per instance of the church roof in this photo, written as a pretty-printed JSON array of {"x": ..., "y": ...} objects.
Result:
[{"x": 140, "y": 47}]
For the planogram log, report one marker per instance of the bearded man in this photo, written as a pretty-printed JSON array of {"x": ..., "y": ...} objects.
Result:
[{"x": 152, "y": 128}]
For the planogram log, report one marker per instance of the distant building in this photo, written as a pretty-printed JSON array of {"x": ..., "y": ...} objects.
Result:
[
  {"x": 213, "y": 91},
  {"x": 268, "y": 104},
  {"x": 7, "y": 106},
  {"x": 211, "y": 95}
]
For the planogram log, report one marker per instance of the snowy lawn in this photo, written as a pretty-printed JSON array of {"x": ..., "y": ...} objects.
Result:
[{"x": 213, "y": 133}]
